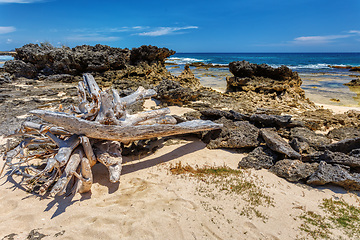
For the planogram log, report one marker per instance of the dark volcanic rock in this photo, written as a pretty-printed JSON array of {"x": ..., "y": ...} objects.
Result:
[
  {"x": 266, "y": 120},
  {"x": 245, "y": 69},
  {"x": 344, "y": 133},
  {"x": 334, "y": 158},
  {"x": 337, "y": 175},
  {"x": 300, "y": 146},
  {"x": 354, "y": 82},
  {"x": 355, "y": 153},
  {"x": 239, "y": 134},
  {"x": 263, "y": 79},
  {"x": 48, "y": 60},
  {"x": 20, "y": 68},
  {"x": 61, "y": 78},
  {"x": 317, "y": 141},
  {"x": 214, "y": 114},
  {"x": 277, "y": 144},
  {"x": 344, "y": 146},
  {"x": 173, "y": 93},
  {"x": 149, "y": 54},
  {"x": 260, "y": 157},
  {"x": 5, "y": 78},
  {"x": 294, "y": 170}
]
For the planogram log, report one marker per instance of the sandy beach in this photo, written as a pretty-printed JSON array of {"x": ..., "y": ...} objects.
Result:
[{"x": 152, "y": 203}]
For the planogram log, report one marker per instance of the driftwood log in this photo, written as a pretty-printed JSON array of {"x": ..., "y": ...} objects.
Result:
[{"x": 75, "y": 139}]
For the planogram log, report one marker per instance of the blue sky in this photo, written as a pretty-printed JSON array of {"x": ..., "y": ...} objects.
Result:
[{"x": 186, "y": 26}]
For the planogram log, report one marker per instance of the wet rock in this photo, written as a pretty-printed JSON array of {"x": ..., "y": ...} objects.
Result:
[
  {"x": 317, "y": 141},
  {"x": 239, "y": 134},
  {"x": 20, "y": 69},
  {"x": 266, "y": 120},
  {"x": 260, "y": 157},
  {"x": 173, "y": 93},
  {"x": 344, "y": 133},
  {"x": 344, "y": 146},
  {"x": 329, "y": 174},
  {"x": 334, "y": 158},
  {"x": 278, "y": 144},
  {"x": 294, "y": 170}
]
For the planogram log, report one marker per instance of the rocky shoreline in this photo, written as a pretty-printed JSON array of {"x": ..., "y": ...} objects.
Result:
[{"x": 264, "y": 111}]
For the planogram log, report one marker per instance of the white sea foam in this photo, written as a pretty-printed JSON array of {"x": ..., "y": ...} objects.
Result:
[
  {"x": 311, "y": 66},
  {"x": 183, "y": 60}
]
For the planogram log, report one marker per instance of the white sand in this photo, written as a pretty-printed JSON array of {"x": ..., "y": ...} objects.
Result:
[
  {"x": 151, "y": 203},
  {"x": 338, "y": 109}
]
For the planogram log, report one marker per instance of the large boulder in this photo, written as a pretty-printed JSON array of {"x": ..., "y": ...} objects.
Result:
[
  {"x": 238, "y": 134},
  {"x": 334, "y": 174},
  {"x": 20, "y": 68},
  {"x": 260, "y": 157},
  {"x": 294, "y": 170},
  {"x": 263, "y": 79},
  {"x": 172, "y": 93},
  {"x": 334, "y": 158},
  {"x": 278, "y": 144},
  {"x": 315, "y": 140}
]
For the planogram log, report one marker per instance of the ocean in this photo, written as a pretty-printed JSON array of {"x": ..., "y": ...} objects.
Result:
[{"x": 322, "y": 84}]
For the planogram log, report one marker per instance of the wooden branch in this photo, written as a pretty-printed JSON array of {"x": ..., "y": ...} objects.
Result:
[
  {"x": 71, "y": 166},
  {"x": 86, "y": 180},
  {"x": 143, "y": 116},
  {"x": 106, "y": 113},
  {"x": 65, "y": 147},
  {"x": 88, "y": 150},
  {"x": 40, "y": 127},
  {"x": 159, "y": 120},
  {"x": 123, "y": 134},
  {"x": 83, "y": 106},
  {"x": 109, "y": 154}
]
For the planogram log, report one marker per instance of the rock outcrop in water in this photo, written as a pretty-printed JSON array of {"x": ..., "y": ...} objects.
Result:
[{"x": 263, "y": 79}]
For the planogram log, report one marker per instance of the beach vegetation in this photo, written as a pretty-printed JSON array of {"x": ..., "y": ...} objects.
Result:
[
  {"x": 233, "y": 182},
  {"x": 337, "y": 214}
]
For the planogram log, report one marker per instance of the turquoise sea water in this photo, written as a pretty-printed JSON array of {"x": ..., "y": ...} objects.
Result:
[{"x": 322, "y": 84}]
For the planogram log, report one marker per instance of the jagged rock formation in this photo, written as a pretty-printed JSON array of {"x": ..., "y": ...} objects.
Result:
[
  {"x": 33, "y": 60},
  {"x": 275, "y": 139}
]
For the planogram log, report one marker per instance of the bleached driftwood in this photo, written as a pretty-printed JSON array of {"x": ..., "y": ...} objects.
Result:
[{"x": 89, "y": 133}]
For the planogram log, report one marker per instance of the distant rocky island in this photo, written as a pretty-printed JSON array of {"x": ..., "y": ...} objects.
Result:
[{"x": 264, "y": 110}]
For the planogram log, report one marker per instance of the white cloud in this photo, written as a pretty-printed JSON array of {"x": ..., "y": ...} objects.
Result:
[
  {"x": 8, "y": 41},
  {"x": 318, "y": 39},
  {"x": 355, "y": 31},
  {"x": 161, "y": 31},
  {"x": 4, "y": 30},
  {"x": 19, "y": 1}
]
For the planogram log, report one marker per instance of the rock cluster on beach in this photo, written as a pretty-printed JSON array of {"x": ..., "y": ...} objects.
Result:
[
  {"x": 288, "y": 148},
  {"x": 270, "y": 118}
]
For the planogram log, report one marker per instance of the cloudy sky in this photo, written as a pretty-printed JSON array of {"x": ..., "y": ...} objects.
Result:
[{"x": 186, "y": 26}]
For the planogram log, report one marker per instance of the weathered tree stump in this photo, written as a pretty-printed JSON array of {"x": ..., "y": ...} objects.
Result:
[{"x": 86, "y": 134}]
